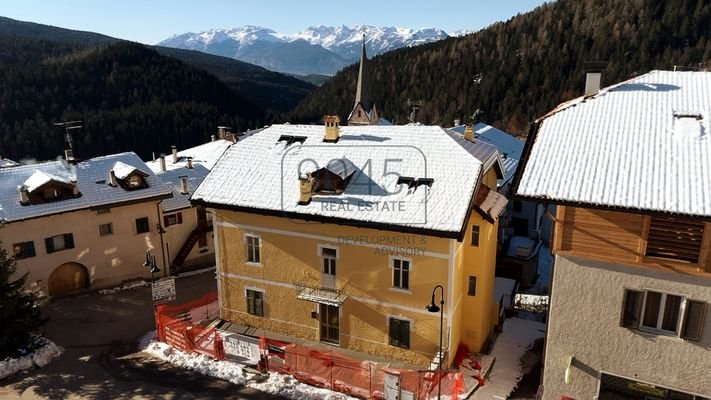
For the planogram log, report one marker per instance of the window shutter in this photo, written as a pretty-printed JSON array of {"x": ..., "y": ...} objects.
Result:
[
  {"x": 631, "y": 309},
  {"x": 394, "y": 332},
  {"x": 68, "y": 241},
  {"x": 405, "y": 334},
  {"x": 49, "y": 244},
  {"x": 258, "y": 305},
  {"x": 250, "y": 302},
  {"x": 180, "y": 218},
  {"x": 165, "y": 221},
  {"x": 693, "y": 320}
]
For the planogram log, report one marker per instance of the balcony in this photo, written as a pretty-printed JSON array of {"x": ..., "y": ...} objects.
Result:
[{"x": 320, "y": 295}]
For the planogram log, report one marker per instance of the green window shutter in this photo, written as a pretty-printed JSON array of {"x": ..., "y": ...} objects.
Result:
[
  {"x": 258, "y": 304},
  {"x": 49, "y": 244},
  {"x": 405, "y": 334},
  {"x": 250, "y": 301},
  {"x": 394, "y": 332}
]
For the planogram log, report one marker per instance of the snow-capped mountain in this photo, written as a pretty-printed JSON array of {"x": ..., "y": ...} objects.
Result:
[{"x": 315, "y": 50}]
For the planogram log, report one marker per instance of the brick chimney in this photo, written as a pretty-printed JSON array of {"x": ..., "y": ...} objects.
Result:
[{"x": 331, "y": 128}]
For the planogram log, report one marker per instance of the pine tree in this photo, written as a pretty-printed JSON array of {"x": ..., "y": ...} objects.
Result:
[{"x": 21, "y": 318}]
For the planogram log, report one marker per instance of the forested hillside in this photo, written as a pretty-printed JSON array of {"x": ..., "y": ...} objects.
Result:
[
  {"x": 517, "y": 70},
  {"x": 128, "y": 96}
]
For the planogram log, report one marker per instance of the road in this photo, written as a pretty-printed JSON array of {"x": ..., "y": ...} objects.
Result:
[{"x": 100, "y": 361}]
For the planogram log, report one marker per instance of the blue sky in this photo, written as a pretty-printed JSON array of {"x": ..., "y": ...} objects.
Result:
[{"x": 150, "y": 21}]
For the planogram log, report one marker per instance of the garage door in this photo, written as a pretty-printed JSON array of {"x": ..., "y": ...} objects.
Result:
[{"x": 68, "y": 278}]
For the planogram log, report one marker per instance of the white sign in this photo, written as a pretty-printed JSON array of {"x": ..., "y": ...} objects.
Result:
[{"x": 163, "y": 291}]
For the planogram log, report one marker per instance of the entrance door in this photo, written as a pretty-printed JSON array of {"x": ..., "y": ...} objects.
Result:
[
  {"x": 328, "y": 271},
  {"x": 68, "y": 278},
  {"x": 329, "y": 322},
  {"x": 391, "y": 386}
]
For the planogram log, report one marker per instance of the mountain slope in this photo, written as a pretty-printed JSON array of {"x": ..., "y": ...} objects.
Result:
[
  {"x": 129, "y": 97},
  {"x": 315, "y": 50},
  {"x": 271, "y": 91},
  {"x": 519, "y": 69}
]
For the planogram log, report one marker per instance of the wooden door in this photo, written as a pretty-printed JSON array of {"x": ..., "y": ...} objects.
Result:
[{"x": 68, "y": 278}]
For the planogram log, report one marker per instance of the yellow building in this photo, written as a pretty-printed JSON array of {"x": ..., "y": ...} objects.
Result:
[
  {"x": 339, "y": 235},
  {"x": 82, "y": 225}
]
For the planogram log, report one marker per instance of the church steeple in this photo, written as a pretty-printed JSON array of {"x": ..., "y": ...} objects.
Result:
[{"x": 361, "y": 86}]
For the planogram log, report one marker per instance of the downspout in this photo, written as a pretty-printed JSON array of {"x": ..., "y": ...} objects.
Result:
[{"x": 162, "y": 245}]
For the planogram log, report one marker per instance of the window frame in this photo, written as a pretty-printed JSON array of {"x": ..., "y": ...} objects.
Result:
[
  {"x": 110, "y": 231},
  {"x": 334, "y": 265},
  {"x": 247, "y": 251},
  {"x": 20, "y": 256},
  {"x": 471, "y": 278},
  {"x": 67, "y": 242},
  {"x": 400, "y": 288},
  {"x": 401, "y": 322},
  {"x": 634, "y": 305},
  {"x": 478, "y": 234},
  {"x": 148, "y": 225},
  {"x": 172, "y": 219},
  {"x": 254, "y": 307},
  {"x": 660, "y": 313}
]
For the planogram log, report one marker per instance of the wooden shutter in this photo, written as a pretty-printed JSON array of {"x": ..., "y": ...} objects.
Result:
[
  {"x": 394, "y": 332},
  {"x": 166, "y": 222},
  {"x": 49, "y": 244},
  {"x": 631, "y": 309},
  {"x": 258, "y": 304},
  {"x": 180, "y": 218},
  {"x": 405, "y": 334},
  {"x": 675, "y": 238},
  {"x": 250, "y": 301},
  {"x": 693, "y": 320}
]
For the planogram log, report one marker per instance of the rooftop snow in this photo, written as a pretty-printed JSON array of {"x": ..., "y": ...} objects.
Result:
[
  {"x": 509, "y": 147},
  {"x": 123, "y": 170},
  {"x": 260, "y": 173},
  {"x": 625, "y": 147},
  {"x": 91, "y": 176},
  {"x": 39, "y": 178}
]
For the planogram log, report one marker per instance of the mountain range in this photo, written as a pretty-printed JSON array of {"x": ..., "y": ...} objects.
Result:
[{"x": 315, "y": 50}]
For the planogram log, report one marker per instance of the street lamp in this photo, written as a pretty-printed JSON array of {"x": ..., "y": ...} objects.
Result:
[
  {"x": 433, "y": 308},
  {"x": 150, "y": 262}
]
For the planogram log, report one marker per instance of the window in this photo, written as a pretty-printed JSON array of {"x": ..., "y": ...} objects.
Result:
[
  {"x": 106, "y": 229},
  {"x": 59, "y": 242},
  {"x": 135, "y": 181},
  {"x": 399, "y": 330},
  {"x": 401, "y": 273},
  {"x": 475, "y": 235},
  {"x": 103, "y": 211},
  {"x": 255, "y": 302},
  {"x": 173, "y": 219},
  {"x": 675, "y": 238},
  {"x": 142, "y": 225},
  {"x": 329, "y": 256},
  {"x": 517, "y": 206},
  {"x": 253, "y": 244},
  {"x": 662, "y": 313},
  {"x": 616, "y": 387},
  {"x": 24, "y": 250},
  {"x": 471, "y": 288}
]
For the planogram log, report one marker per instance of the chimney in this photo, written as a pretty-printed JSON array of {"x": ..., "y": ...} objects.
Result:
[
  {"x": 190, "y": 163},
  {"x": 469, "y": 133},
  {"x": 174, "y": 150},
  {"x": 75, "y": 188},
  {"x": 69, "y": 154},
  {"x": 305, "y": 188},
  {"x": 593, "y": 73},
  {"x": 457, "y": 121},
  {"x": 184, "y": 184},
  {"x": 232, "y": 137},
  {"x": 153, "y": 154},
  {"x": 24, "y": 196},
  {"x": 332, "y": 128},
  {"x": 162, "y": 162},
  {"x": 212, "y": 138},
  {"x": 222, "y": 132},
  {"x": 112, "y": 178}
]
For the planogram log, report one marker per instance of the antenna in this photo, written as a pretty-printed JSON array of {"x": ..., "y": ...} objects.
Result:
[
  {"x": 415, "y": 106},
  {"x": 68, "y": 140}
]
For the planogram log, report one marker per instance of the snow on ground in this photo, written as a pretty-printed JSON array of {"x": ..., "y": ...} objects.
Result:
[
  {"x": 277, "y": 384},
  {"x": 40, "y": 357},
  {"x": 517, "y": 337},
  {"x": 142, "y": 283}
]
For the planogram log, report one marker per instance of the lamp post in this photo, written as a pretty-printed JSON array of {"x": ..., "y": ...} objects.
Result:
[
  {"x": 150, "y": 262},
  {"x": 433, "y": 308}
]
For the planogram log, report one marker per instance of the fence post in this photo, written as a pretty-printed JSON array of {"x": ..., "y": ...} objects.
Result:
[
  {"x": 331, "y": 363},
  {"x": 370, "y": 380}
]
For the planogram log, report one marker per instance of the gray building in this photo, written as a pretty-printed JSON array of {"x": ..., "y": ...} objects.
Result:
[{"x": 629, "y": 168}]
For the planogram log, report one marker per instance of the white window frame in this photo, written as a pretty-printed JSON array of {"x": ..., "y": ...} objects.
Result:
[
  {"x": 322, "y": 256},
  {"x": 660, "y": 314},
  {"x": 392, "y": 274},
  {"x": 246, "y": 249}
]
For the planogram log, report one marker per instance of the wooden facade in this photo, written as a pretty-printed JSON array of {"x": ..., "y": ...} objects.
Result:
[{"x": 669, "y": 243}]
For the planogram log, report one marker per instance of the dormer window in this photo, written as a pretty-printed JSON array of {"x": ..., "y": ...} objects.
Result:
[
  {"x": 334, "y": 177},
  {"x": 127, "y": 176},
  {"x": 135, "y": 181},
  {"x": 43, "y": 187}
]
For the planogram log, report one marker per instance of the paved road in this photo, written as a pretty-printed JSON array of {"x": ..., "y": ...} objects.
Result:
[{"x": 99, "y": 334}]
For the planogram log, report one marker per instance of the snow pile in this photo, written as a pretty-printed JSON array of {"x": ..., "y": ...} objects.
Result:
[
  {"x": 125, "y": 286},
  {"x": 40, "y": 357},
  {"x": 517, "y": 337},
  {"x": 277, "y": 384}
]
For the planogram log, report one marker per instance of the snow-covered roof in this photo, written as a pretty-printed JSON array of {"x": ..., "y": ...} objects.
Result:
[
  {"x": 92, "y": 181},
  {"x": 6, "y": 162},
  {"x": 509, "y": 147},
  {"x": 203, "y": 158},
  {"x": 123, "y": 170},
  {"x": 643, "y": 144},
  {"x": 40, "y": 178},
  {"x": 260, "y": 174}
]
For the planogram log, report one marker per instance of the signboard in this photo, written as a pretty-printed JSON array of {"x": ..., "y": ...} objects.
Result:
[
  {"x": 243, "y": 349},
  {"x": 163, "y": 290}
]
